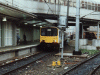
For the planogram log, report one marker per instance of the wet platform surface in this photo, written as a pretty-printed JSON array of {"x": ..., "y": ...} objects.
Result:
[{"x": 11, "y": 48}]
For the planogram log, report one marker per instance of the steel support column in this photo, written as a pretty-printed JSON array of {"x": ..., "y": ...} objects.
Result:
[
  {"x": 82, "y": 31},
  {"x": 77, "y": 25},
  {"x": 77, "y": 52},
  {"x": 98, "y": 31},
  {"x": 62, "y": 44}
]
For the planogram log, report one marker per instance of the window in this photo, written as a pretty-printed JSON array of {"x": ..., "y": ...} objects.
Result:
[
  {"x": 65, "y": 3},
  {"x": 35, "y": 0},
  {"x": 74, "y": 4},
  {"x": 61, "y": 2},
  {"x": 41, "y": 0},
  {"x": 56, "y": 1},
  {"x": 93, "y": 6},
  {"x": 48, "y": 32},
  {"x": 98, "y": 8},
  {"x": 43, "y": 32},
  {"x": 89, "y": 7},
  {"x": 52, "y": 1}
]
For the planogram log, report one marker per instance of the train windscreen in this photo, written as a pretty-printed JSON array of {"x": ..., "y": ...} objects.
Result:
[{"x": 48, "y": 32}]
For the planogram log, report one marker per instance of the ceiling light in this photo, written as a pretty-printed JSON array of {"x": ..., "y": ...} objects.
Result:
[
  {"x": 34, "y": 25},
  {"x": 40, "y": 26},
  {"x": 25, "y": 23},
  {"x": 4, "y": 19}
]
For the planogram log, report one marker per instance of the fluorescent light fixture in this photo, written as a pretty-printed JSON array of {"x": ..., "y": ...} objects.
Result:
[
  {"x": 25, "y": 23},
  {"x": 4, "y": 19},
  {"x": 34, "y": 25},
  {"x": 40, "y": 26}
]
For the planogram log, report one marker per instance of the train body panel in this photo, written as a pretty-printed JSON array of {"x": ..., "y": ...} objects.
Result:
[{"x": 50, "y": 37}]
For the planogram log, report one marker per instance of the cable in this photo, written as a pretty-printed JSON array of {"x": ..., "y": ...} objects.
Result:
[{"x": 48, "y": 6}]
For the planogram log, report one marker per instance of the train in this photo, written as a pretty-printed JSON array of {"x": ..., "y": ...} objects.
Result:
[{"x": 50, "y": 38}]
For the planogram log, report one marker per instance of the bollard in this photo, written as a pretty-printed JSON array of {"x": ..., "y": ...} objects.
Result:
[
  {"x": 58, "y": 63},
  {"x": 53, "y": 63}
]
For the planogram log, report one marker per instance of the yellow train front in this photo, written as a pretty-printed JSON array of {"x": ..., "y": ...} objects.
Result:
[{"x": 50, "y": 38}]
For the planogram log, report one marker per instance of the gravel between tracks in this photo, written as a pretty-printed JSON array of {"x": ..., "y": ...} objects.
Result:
[{"x": 40, "y": 67}]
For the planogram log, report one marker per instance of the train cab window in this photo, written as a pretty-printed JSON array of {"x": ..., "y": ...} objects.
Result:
[
  {"x": 54, "y": 32},
  {"x": 48, "y": 32}
]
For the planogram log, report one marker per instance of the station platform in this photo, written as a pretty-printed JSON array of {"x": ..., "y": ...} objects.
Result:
[
  {"x": 10, "y": 48},
  {"x": 17, "y": 51}
]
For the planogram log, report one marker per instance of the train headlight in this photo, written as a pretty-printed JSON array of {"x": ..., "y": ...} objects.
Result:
[{"x": 42, "y": 40}]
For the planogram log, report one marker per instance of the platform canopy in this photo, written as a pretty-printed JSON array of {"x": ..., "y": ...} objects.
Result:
[
  {"x": 37, "y": 19},
  {"x": 21, "y": 16}
]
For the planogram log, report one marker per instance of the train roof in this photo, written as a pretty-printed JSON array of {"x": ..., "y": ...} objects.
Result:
[{"x": 49, "y": 27}]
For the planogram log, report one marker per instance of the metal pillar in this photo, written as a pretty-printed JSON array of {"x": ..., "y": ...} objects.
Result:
[
  {"x": 77, "y": 52},
  {"x": 12, "y": 2},
  {"x": 3, "y": 34},
  {"x": 77, "y": 25},
  {"x": 82, "y": 31},
  {"x": 14, "y": 34},
  {"x": 0, "y": 32},
  {"x": 62, "y": 44},
  {"x": 67, "y": 14},
  {"x": 98, "y": 31}
]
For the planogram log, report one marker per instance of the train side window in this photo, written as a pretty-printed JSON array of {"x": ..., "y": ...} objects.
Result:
[
  {"x": 43, "y": 32},
  {"x": 54, "y": 32}
]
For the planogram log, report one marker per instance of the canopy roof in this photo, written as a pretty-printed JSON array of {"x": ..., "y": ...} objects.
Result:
[{"x": 21, "y": 16}]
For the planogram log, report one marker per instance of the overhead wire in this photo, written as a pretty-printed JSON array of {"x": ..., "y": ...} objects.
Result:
[{"x": 48, "y": 6}]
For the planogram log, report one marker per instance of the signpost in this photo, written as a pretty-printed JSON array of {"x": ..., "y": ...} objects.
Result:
[{"x": 62, "y": 24}]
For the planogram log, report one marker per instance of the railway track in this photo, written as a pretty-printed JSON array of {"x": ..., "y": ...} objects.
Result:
[
  {"x": 86, "y": 67},
  {"x": 7, "y": 68},
  {"x": 96, "y": 71}
]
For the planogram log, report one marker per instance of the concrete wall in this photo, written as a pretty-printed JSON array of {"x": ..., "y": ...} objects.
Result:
[
  {"x": 8, "y": 34},
  {"x": 14, "y": 35},
  {"x": 17, "y": 53},
  {"x": 36, "y": 34},
  {"x": 83, "y": 42},
  {"x": 96, "y": 42},
  {"x": 6, "y": 56},
  {"x": 32, "y": 33},
  {"x": 28, "y": 32}
]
